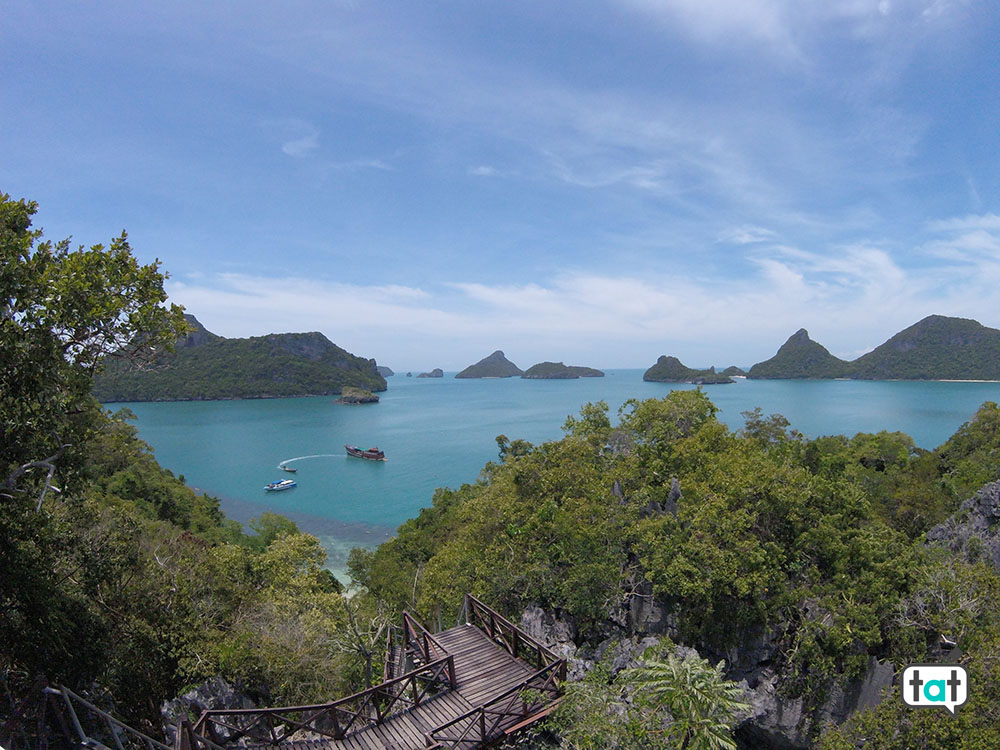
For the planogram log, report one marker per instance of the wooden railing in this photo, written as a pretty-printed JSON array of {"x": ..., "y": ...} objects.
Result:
[
  {"x": 271, "y": 726},
  {"x": 93, "y": 727},
  {"x": 417, "y": 647},
  {"x": 511, "y": 638},
  {"x": 519, "y": 706}
]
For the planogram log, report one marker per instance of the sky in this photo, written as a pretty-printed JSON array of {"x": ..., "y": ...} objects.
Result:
[{"x": 598, "y": 183}]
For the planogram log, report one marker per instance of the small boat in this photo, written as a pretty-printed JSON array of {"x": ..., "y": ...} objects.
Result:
[
  {"x": 372, "y": 454},
  {"x": 284, "y": 484},
  {"x": 289, "y": 469}
]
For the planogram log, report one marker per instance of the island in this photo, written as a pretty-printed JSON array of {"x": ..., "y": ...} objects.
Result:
[
  {"x": 735, "y": 372},
  {"x": 672, "y": 370},
  {"x": 385, "y": 372},
  {"x": 559, "y": 371},
  {"x": 801, "y": 358},
  {"x": 351, "y": 395},
  {"x": 437, "y": 372},
  {"x": 935, "y": 348},
  {"x": 205, "y": 366},
  {"x": 494, "y": 366}
]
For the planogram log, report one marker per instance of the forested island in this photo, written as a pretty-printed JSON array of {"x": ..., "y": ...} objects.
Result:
[
  {"x": 559, "y": 371},
  {"x": 494, "y": 366},
  {"x": 204, "y": 366},
  {"x": 781, "y": 580},
  {"x": 437, "y": 372},
  {"x": 672, "y": 370},
  {"x": 935, "y": 348}
]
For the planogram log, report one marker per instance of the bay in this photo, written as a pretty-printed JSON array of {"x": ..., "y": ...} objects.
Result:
[{"x": 439, "y": 432}]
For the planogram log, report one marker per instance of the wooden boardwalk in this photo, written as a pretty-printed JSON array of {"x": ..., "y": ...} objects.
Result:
[{"x": 464, "y": 687}]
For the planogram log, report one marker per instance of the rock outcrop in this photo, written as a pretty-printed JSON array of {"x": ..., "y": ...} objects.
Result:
[
  {"x": 974, "y": 530},
  {"x": 437, "y": 372},
  {"x": 213, "y": 694}
]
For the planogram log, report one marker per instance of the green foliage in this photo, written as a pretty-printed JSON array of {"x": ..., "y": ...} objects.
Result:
[
  {"x": 113, "y": 574},
  {"x": 704, "y": 705},
  {"x": 62, "y": 312}
]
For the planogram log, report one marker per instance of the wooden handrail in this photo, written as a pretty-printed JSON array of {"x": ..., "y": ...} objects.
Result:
[
  {"x": 360, "y": 706},
  {"x": 477, "y": 717},
  {"x": 515, "y": 637}
]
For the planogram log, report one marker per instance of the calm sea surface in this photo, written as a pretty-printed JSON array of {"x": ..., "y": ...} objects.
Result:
[{"x": 439, "y": 432}]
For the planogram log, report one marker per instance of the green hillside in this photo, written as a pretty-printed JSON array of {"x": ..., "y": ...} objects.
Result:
[
  {"x": 559, "y": 371},
  {"x": 801, "y": 357},
  {"x": 936, "y": 348},
  {"x": 206, "y": 367}
]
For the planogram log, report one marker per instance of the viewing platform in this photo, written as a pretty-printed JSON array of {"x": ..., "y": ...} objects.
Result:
[{"x": 470, "y": 686}]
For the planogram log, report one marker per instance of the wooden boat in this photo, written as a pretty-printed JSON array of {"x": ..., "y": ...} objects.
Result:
[
  {"x": 372, "y": 454},
  {"x": 289, "y": 469},
  {"x": 284, "y": 484}
]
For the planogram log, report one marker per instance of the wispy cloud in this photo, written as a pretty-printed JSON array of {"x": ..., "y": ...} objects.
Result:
[{"x": 746, "y": 235}]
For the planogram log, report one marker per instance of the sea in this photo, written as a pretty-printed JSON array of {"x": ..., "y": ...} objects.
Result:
[{"x": 440, "y": 432}]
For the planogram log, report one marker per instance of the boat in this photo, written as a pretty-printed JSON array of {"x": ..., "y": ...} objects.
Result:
[
  {"x": 372, "y": 454},
  {"x": 289, "y": 469},
  {"x": 283, "y": 484}
]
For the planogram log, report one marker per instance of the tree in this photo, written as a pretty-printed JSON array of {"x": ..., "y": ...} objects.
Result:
[
  {"x": 703, "y": 704},
  {"x": 62, "y": 312}
]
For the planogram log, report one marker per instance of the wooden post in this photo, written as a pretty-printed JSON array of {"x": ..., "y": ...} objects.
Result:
[{"x": 482, "y": 725}]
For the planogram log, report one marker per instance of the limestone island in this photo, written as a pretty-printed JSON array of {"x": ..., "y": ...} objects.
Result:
[
  {"x": 437, "y": 372},
  {"x": 559, "y": 371},
  {"x": 205, "y": 367},
  {"x": 385, "y": 372},
  {"x": 935, "y": 348},
  {"x": 671, "y": 370},
  {"x": 352, "y": 395},
  {"x": 494, "y": 366}
]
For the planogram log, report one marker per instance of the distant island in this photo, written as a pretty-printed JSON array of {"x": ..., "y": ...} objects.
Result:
[
  {"x": 351, "y": 395},
  {"x": 672, "y": 370},
  {"x": 384, "y": 371},
  {"x": 494, "y": 366},
  {"x": 437, "y": 372},
  {"x": 935, "y": 348},
  {"x": 559, "y": 371},
  {"x": 206, "y": 367}
]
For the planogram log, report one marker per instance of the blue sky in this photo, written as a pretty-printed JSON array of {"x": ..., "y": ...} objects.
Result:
[{"x": 598, "y": 183}]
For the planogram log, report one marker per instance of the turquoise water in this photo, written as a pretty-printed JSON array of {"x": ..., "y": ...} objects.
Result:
[{"x": 440, "y": 432}]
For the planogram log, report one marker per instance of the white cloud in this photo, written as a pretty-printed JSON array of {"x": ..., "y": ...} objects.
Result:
[{"x": 484, "y": 171}]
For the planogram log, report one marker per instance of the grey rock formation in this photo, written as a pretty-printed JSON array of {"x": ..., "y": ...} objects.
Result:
[
  {"x": 212, "y": 694},
  {"x": 974, "y": 530}
]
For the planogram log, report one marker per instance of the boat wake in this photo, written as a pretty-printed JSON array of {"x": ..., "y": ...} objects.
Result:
[{"x": 303, "y": 458}]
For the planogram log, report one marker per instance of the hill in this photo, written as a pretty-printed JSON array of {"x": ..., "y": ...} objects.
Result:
[
  {"x": 385, "y": 372},
  {"x": 672, "y": 370},
  {"x": 801, "y": 357},
  {"x": 205, "y": 366},
  {"x": 936, "y": 348},
  {"x": 494, "y": 366},
  {"x": 559, "y": 371}
]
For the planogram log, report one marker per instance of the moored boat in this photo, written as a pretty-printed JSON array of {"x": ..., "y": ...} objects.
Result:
[
  {"x": 284, "y": 484},
  {"x": 372, "y": 454}
]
